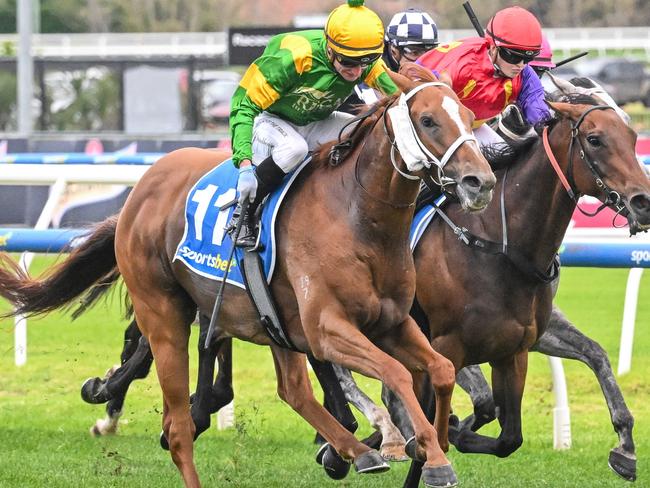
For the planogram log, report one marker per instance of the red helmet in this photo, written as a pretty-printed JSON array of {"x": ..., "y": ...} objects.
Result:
[{"x": 515, "y": 28}]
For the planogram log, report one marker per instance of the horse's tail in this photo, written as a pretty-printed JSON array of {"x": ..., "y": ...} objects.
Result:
[{"x": 91, "y": 263}]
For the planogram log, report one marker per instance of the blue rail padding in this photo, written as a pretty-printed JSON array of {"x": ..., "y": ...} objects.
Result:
[
  {"x": 80, "y": 158},
  {"x": 605, "y": 254},
  {"x": 45, "y": 241}
]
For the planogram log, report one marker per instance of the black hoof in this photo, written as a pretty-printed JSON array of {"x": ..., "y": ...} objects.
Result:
[
  {"x": 371, "y": 462},
  {"x": 163, "y": 442},
  {"x": 321, "y": 452},
  {"x": 92, "y": 391},
  {"x": 335, "y": 466},
  {"x": 439, "y": 477},
  {"x": 411, "y": 450},
  {"x": 622, "y": 465}
]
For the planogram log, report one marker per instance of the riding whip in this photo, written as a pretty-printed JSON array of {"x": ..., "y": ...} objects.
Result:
[
  {"x": 473, "y": 19},
  {"x": 222, "y": 286}
]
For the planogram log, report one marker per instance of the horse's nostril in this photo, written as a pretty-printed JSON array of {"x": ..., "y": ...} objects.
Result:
[
  {"x": 640, "y": 203},
  {"x": 471, "y": 182}
]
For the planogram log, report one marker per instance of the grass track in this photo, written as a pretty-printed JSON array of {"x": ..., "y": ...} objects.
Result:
[{"x": 44, "y": 437}]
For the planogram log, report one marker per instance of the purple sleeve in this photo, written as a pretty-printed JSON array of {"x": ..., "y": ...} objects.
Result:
[{"x": 531, "y": 97}]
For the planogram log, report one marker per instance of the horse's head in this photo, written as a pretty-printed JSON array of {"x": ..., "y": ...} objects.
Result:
[
  {"x": 433, "y": 132},
  {"x": 604, "y": 161}
]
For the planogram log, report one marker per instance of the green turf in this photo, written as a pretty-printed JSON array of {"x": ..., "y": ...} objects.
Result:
[{"x": 44, "y": 424}]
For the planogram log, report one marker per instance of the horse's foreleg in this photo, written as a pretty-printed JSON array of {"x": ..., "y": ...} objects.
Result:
[
  {"x": 563, "y": 340},
  {"x": 392, "y": 445},
  {"x": 471, "y": 379},
  {"x": 136, "y": 361},
  {"x": 295, "y": 389},
  {"x": 410, "y": 346},
  {"x": 203, "y": 399},
  {"x": 339, "y": 341},
  {"x": 508, "y": 379}
]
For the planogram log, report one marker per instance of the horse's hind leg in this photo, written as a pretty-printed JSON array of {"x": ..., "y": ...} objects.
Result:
[
  {"x": 563, "y": 340},
  {"x": 392, "y": 445},
  {"x": 164, "y": 314},
  {"x": 471, "y": 379}
]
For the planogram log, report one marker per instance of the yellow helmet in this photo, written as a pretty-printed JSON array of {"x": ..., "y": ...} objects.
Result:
[{"x": 354, "y": 31}]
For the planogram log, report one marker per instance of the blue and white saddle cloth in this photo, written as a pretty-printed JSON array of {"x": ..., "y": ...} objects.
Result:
[
  {"x": 422, "y": 219},
  {"x": 205, "y": 246}
]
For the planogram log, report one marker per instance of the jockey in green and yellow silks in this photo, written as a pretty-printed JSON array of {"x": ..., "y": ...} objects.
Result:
[{"x": 285, "y": 104}]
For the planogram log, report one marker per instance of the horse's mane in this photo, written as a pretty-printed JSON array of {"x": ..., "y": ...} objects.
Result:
[{"x": 321, "y": 157}]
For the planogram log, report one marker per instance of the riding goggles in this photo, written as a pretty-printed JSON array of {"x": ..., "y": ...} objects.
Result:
[
  {"x": 360, "y": 62},
  {"x": 511, "y": 56},
  {"x": 415, "y": 51}
]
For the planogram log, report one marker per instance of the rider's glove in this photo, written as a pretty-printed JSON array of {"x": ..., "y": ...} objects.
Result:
[{"x": 247, "y": 184}]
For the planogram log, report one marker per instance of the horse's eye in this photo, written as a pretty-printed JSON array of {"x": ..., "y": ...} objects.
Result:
[
  {"x": 594, "y": 141},
  {"x": 427, "y": 121}
]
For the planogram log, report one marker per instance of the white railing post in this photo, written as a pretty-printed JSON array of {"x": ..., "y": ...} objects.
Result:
[
  {"x": 561, "y": 412},
  {"x": 629, "y": 317},
  {"x": 43, "y": 222}
]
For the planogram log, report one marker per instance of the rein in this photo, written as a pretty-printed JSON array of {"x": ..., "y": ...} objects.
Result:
[
  {"x": 613, "y": 198},
  {"x": 512, "y": 254}
]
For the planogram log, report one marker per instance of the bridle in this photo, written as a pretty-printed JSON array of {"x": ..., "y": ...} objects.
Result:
[
  {"x": 407, "y": 143},
  {"x": 414, "y": 148},
  {"x": 613, "y": 199}
]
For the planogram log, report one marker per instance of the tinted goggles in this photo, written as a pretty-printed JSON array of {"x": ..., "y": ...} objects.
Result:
[
  {"x": 415, "y": 51},
  {"x": 511, "y": 56},
  {"x": 360, "y": 62}
]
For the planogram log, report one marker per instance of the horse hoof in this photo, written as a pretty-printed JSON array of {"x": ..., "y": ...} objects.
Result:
[
  {"x": 394, "y": 451},
  {"x": 335, "y": 466},
  {"x": 411, "y": 450},
  {"x": 91, "y": 391},
  {"x": 370, "y": 462},
  {"x": 623, "y": 465},
  {"x": 163, "y": 442},
  {"x": 321, "y": 452},
  {"x": 439, "y": 476}
]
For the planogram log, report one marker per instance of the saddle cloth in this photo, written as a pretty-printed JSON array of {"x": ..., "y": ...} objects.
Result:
[
  {"x": 205, "y": 245},
  {"x": 422, "y": 219}
]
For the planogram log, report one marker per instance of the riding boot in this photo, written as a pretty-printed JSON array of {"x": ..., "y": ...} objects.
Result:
[{"x": 269, "y": 175}]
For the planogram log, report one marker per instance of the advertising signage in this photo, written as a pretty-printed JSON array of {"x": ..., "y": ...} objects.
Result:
[{"x": 245, "y": 44}]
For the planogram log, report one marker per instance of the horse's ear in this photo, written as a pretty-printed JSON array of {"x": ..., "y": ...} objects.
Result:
[
  {"x": 403, "y": 83},
  {"x": 415, "y": 72},
  {"x": 566, "y": 110}
]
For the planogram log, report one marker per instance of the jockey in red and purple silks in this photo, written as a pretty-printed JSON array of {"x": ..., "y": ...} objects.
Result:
[{"x": 489, "y": 73}]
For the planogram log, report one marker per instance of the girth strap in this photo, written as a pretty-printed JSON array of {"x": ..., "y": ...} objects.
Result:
[{"x": 259, "y": 292}]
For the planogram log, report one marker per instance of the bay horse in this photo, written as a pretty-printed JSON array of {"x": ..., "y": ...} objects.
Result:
[
  {"x": 343, "y": 293},
  {"x": 496, "y": 315}
]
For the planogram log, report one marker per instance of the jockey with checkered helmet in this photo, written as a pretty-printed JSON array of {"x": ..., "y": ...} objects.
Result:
[
  {"x": 285, "y": 105},
  {"x": 409, "y": 35}
]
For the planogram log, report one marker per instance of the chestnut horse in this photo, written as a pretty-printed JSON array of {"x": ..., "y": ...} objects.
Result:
[
  {"x": 343, "y": 293},
  {"x": 492, "y": 295}
]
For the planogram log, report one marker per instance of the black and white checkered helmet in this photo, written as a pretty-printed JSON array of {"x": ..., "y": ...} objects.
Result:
[{"x": 412, "y": 27}]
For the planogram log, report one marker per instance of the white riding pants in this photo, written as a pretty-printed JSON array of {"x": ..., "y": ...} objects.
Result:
[
  {"x": 289, "y": 143},
  {"x": 486, "y": 135}
]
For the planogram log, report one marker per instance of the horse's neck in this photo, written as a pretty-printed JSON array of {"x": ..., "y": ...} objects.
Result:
[
  {"x": 381, "y": 194},
  {"x": 538, "y": 207}
]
